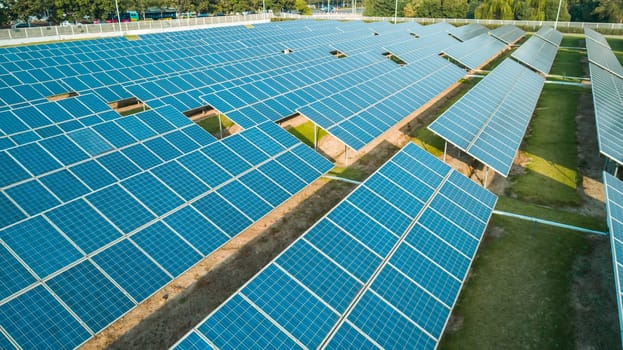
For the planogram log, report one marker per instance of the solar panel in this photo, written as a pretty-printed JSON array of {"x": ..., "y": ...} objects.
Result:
[
  {"x": 536, "y": 53},
  {"x": 614, "y": 205},
  {"x": 550, "y": 34},
  {"x": 490, "y": 121},
  {"x": 507, "y": 33},
  {"x": 477, "y": 51},
  {"x": 608, "y": 104},
  {"x": 373, "y": 272},
  {"x": 96, "y": 220},
  {"x": 469, "y": 31},
  {"x": 600, "y": 53}
]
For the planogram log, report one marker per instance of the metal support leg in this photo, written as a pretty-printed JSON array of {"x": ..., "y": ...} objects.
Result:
[
  {"x": 315, "y": 137},
  {"x": 445, "y": 150},
  {"x": 220, "y": 125}
]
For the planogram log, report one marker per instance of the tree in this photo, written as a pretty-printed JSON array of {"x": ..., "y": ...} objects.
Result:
[
  {"x": 495, "y": 9},
  {"x": 436, "y": 8},
  {"x": 610, "y": 11},
  {"x": 301, "y": 6},
  {"x": 583, "y": 10}
]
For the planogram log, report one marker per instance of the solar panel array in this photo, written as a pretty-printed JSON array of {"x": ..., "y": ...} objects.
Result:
[
  {"x": 507, "y": 34},
  {"x": 477, "y": 51},
  {"x": 100, "y": 211},
  {"x": 490, "y": 121},
  {"x": 383, "y": 269},
  {"x": 607, "y": 86},
  {"x": 364, "y": 110},
  {"x": 608, "y": 104},
  {"x": 550, "y": 34},
  {"x": 614, "y": 206},
  {"x": 537, "y": 53},
  {"x": 469, "y": 31},
  {"x": 600, "y": 53}
]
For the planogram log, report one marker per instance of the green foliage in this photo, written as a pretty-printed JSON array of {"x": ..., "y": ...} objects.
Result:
[
  {"x": 610, "y": 11},
  {"x": 436, "y": 8}
]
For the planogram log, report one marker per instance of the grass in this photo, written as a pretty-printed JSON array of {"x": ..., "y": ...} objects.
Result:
[
  {"x": 527, "y": 278},
  {"x": 349, "y": 173},
  {"x": 518, "y": 295},
  {"x": 305, "y": 133},
  {"x": 566, "y": 63},
  {"x": 551, "y": 176},
  {"x": 211, "y": 124},
  {"x": 616, "y": 45},
  {"x": 547, "y": 213},
  {"x": 575, "y": 41}
]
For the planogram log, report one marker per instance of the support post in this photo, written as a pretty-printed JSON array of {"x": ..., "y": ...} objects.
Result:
[
  {"x": 345, "y": 155},
  {"x": 445, "y": 150},
  {"x": 616, "y": 170},
  {"x": 315, "y": 137},
  {"x": 486, "y": 175},
  {"x": 220, "y": 126}
]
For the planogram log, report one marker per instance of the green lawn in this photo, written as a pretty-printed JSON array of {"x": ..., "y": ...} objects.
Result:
[
  {"x": 305, "y": 133},
  {"x": 211, "y": 124},
  {"x": 617, "y": 46},
  {"x": 575, "y": 41},
  {"x": 518, "y": 294},
  {"x": 566, "y": 63},
  {"x": 551, "y": 176},
  {"x": 523, "y": 284}
]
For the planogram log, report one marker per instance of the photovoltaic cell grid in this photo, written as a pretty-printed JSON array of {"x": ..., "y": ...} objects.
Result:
[
  {"x": 362, "y": 112},
  {"x": 536, "y": 53},
  {"x": 475, "y": 52},
  {"x": 508, "y": 33},
  {"x": 490, "y": 121},
  {"x": 96, "y": 220},
  {"x": 550, "y": 34},
  {"x": 608, "y": 104},
  {"x": 614, "y": 205},
  {"x": 600, "y": 53},
  {"x": 469, "y": 31},
  {"x": 383, "y": 269}
]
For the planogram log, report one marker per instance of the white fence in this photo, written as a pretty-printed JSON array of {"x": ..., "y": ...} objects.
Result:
[
  {"x": 38, "y": 34},
  {"x": 562, "y": 26}
]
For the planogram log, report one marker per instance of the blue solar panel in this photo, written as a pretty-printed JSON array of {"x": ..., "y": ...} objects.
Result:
[
  {"x": 39, "y": 245},
  {"x": 223, "y": 214},
  {"x": 180, "y": 180},
  {"x": 36, "y": 320},
  {"x": 121, "y": 208},
  {"x": 94, "y": 298},
  {"x": 368, "y": 273},
  {"x": 204, "y": 168},
  {"x": 153, "y": 193},
  {"x": 194, "y": 342},
  {"x": 162, "y": 148},
  {"x": 16, "y": 276},
  {"x": 246, "y": 201},
  {"x": 12, "y": 171},
  {"x": 141, "y": 156},
  {"x": 34, "y": 158},
  {"x": 64, "y": 185},
  {"x": 614, "y": 206},
  {"x": 132, "y": 270},
  {"x": 114, "y": 134},
  {"x": 93, "y": 174},
  {"x": 119, "y": 165},
  {"x": 90, "y": 141},
  {"x": 167, "y": 248},
  {"x": 32, "y": 197},
  {"x": 479, "y": 122},
  {"x": 197, "y": 230},
  {"x": 226, "y": 158}
]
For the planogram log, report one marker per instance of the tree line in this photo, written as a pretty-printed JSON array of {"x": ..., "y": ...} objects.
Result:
[
  {"x": 55, "y": 11},
  {"x": 536, "y": 10}
]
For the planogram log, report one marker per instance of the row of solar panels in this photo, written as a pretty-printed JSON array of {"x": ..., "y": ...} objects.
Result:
[
  {"x": 383, "y": 269},
  {"x": 490, "y": 121},
  {"x": 98, "y": 216},
  {"x": 607, "y": 84}
]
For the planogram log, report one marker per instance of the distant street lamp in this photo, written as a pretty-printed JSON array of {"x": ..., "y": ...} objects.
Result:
[
  {"x": 558, "y": 13},
  {"x": 118, "y": 17},
  {"x": 396, "y": 12}
]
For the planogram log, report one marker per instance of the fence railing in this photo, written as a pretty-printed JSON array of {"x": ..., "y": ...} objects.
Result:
[
  {"x": 33, "y": 34},
  {"x": 561, "y": 26},
  {"x": 110, "y": 29}
]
